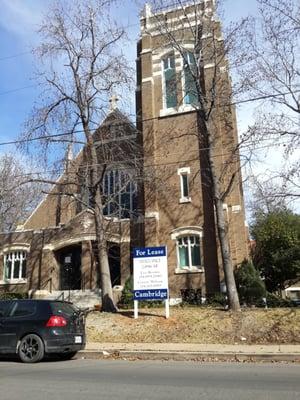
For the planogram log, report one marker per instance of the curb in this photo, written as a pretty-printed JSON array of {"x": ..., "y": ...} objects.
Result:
[{"x": 187, "y": 356}]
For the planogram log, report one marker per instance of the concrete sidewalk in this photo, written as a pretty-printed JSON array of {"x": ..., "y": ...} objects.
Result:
[{"x": 193, "y": 351}]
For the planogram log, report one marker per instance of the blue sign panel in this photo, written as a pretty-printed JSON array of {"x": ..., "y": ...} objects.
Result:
[
  {"x": 151, "y": 294},
  {"x": 143, "y": 252}
]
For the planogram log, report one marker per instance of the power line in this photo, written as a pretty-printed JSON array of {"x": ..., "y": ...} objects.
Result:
[
  {"x": 263, "y": 97},
  {"x": 33, "y": 139},
  {"x": 15, "y": 55},
  {"x": 143, "y": 120},
  {"x": 17, "y": 89},
  {"x": 124, "y": 161}
]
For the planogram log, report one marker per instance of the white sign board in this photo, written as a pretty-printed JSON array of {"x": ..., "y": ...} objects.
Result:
[{"x": 150, "y": 274}]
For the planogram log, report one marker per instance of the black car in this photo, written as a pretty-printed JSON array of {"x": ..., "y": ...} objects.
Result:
[{"x": 36, "y": 328}]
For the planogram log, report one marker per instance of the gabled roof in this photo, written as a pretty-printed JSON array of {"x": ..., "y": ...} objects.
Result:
[
  {"x": 122, "y": 128},
  {"x": 116, "y": 125}
]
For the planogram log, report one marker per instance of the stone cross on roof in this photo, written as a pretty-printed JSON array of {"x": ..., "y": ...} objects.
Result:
[{"x": 113, "y": 102}]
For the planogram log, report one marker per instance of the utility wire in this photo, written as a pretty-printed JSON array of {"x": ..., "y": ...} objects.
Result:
[
  {"x": 124, "y": 161},
  {"x": 253, "y": 99},
  {"x": 17, "y": 89},
  {"x": 15, "y": 55}
]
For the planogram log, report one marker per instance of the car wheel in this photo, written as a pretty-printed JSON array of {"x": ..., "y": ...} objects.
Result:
[
  {"x": 67, "y": 356},
  {"x": 31, "y": 349}
]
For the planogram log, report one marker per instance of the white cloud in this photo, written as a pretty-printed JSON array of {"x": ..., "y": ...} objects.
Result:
[{"x": 20, "y": 17}]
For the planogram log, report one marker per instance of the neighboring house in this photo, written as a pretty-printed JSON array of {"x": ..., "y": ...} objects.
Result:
[
  {"x": 172, "y": 206},
  {"x": 293, "y": 292}
]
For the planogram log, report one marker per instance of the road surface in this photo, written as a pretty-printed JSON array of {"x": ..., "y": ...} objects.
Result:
[{"x": 147, "y": 380}]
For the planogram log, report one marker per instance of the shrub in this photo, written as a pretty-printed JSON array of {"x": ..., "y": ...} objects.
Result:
[
  {"x": 217, "y": 300},
  {"x": 126, "y": 300},
  {"x": 191, "y": 296},
  {"x": 13, "y": 295},
  {"x": 250, "y": 286},
  {"x": 274, "y": 301}
]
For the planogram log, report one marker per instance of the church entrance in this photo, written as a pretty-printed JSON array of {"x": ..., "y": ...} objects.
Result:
[{"x": 69, "y": 259}]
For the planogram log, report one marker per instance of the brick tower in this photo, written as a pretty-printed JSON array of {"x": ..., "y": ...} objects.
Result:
[{"x": 176, "y": 196}]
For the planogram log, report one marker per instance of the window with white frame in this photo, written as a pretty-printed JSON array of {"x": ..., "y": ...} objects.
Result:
[
  {"x": 169, "y": 79},
  {"x": 188, "y": 252},
  {"x": 15, "y": 265},
  {"x": 189, "y": 76},
  {"x": 188, "y": 249},
  {"x": 184, "y": 184}
]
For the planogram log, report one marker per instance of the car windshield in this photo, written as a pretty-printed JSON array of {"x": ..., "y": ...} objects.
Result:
[{"x": 63, "y": 308}]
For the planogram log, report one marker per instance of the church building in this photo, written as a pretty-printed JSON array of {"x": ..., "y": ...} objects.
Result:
[{"x": 53, "y": 251}]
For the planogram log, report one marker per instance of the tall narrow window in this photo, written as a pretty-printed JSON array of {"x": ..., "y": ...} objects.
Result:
[
  {"x": 190, "y": 74},
  {"x": 184, "y": 184},
  {"x": 170, "y": 85}
]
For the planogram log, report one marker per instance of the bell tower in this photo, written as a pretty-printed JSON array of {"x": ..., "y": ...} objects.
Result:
[{"x": 177, "y": 196}]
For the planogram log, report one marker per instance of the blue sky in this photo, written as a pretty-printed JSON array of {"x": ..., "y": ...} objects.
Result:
[{"x": 19, "y": 21}]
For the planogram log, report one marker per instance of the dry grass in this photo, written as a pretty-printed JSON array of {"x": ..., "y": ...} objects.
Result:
[{"x": 197, "y": 325}]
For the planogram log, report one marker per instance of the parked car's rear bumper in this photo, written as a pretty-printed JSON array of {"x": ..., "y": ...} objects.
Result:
[{"x": 64, "y": 344}]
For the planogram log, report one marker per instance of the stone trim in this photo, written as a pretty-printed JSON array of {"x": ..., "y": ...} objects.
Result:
[
  {"x": 148, "y": 79},
  {"x": 85, "y": 238},
  {"x": 179, "y": 271},
  {"x": 211, "y": 65},
  {"x": 152, "y": 214},
  {"x": 13, "y": 282},
  {"x": 15, "y": 247},
  {"x": 186, "y": 230},
  {"x": 185, "y": 108}
]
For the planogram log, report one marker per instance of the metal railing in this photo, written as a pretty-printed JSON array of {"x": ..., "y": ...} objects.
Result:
[
  {"x": 61, "y": 297},
  {"x": 44, "y": 284}
]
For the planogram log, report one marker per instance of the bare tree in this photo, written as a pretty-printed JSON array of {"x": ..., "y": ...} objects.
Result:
[
  {"x": 271, "y": 72},
  {"x": 16, "y": 199},
  {"x": 198, "y": 37},
  {"x": 83, "y": 64}
]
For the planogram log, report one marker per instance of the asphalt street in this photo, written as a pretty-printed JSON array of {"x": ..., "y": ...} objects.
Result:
[{"x": 147, "y": 380}]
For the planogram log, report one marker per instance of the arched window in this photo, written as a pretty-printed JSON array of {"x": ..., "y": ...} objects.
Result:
[
  {"x": 188, "y": 248},
  {"x": 169, "y": 80}
]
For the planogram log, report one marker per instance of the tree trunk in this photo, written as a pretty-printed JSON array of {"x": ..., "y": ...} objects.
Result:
[
  {"x": 206, "y": 143},
  {"x": 108, "y": 304},
  {"x": 233, "y": 297}
]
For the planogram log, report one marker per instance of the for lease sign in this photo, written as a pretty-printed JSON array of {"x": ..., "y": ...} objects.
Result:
[{"x": 150, "y": 273}]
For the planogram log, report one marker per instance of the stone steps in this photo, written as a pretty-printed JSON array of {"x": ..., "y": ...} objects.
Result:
[{"x": 82, "y": 299}]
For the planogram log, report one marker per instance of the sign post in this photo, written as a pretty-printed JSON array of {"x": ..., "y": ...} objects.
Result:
[{"x": 150, "y": 276}]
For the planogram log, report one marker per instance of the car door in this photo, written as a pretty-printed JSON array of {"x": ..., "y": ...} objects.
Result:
[
  {"x": 17, "y": 321},
  {"x": 5, "y": 307}
]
